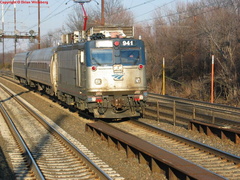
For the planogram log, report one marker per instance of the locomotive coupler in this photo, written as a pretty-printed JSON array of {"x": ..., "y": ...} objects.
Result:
[{"x": 117, "y": 103}]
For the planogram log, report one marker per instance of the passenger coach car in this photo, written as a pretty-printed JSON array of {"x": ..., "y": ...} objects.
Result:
[{"x": 103, "y": 75}]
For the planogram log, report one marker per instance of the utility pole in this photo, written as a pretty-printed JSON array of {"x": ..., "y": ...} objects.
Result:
[
  {"x": 163, "y": 78},
  {"x": 212, "y": 80},
  {"x": 15, "y": 27},
  {"x": 39, "y": 37},
  {"x": 3, "y": 37},
  {"x": 102, "y": 13},
  {"x": 16, "y": 34}
]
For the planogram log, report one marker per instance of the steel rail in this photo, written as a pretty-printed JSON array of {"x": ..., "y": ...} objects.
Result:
[
  {"x": 30, "y": 159},
  {"x": 214, "y": 130},
  {"x": 158, "y": 159},
  {"x": 230, "y": 157},
  {"x": 101, "y": 174}
]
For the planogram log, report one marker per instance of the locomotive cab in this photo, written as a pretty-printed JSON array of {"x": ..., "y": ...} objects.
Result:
[{"x": 116, "y": 77}]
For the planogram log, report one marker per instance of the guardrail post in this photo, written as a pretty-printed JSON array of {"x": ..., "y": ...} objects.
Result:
[
  {"x": 143, "y": 110},
  {"x": 213, "y": 117},
  {"x": 158, "y": 115},
  {"x": 174, "y": 113},
  {"x": 194, "y": 112}
]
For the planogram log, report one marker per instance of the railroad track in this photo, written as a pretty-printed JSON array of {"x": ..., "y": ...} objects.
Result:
[
  {"x": 180, "y": 111},
  {"x": 170, "y": 108},
  {"x": 5, "y": 73},
  {"x": 52, "y": 153},
  {"x": 213, "y": 130},
  {"x": 10, "y": 79},
  {"x": 218, "y": 162}
]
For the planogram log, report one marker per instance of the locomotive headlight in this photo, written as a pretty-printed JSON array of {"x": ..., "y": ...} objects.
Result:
[
  {"x": 98, "y": 81},
  {"x": 137, "y": 80}
]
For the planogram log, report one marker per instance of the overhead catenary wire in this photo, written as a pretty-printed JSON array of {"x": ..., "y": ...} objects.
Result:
[
  {"x": 52, "y": 14},
  {"x": 54, "y": 11},
  {"x": 26, "y": 30},
  {"x": 5, "y": 10},
  {"x": 49, "y": 17},
  {"x": 186, "y": 11},
  {"x": 156, "y": 8}
]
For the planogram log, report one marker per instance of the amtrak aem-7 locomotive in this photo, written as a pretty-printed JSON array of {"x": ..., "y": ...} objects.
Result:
[{"x": 103, "y": 75}]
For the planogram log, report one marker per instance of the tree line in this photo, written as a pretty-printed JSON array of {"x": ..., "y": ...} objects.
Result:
[{"x": 187, "y": 38}]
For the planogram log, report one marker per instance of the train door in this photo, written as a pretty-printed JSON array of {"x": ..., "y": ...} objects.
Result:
[
  {"x": 79, "y": 68},
  {"x": 54, "y": 73}
]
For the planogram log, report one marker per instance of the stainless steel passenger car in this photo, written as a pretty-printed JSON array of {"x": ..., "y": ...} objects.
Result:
[
  {"x": 19, "y": 66},
  {"x": 40, "y": 72},
  {"x": 105, "y": 76}
]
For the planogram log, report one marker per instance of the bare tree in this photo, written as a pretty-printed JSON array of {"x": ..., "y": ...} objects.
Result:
[
  {"x": 221, "y": 26},
  {"x": 75, "y": 19},
  {"x": 52, "y": 38},
  {"x": 115, "y": 15},
  {"x": 188, "y": 35}
]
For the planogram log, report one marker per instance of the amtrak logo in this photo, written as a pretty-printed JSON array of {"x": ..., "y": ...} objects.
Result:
[{"x": 117, "y": 77}]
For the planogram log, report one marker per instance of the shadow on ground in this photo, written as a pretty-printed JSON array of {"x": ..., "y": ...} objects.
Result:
[{"x": 5, "y": 170}]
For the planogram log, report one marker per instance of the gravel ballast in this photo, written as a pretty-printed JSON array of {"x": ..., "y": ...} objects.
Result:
[{"x": 75, "y": 126}]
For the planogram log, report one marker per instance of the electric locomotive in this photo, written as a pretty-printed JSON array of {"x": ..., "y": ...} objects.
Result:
[{"x": 104, "y": 75}]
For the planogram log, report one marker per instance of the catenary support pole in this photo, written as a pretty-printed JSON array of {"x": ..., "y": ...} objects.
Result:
[
  {"x": 39, "y": 29},
  {"x": 163, "y": 78},
  {"x": 3, "y": 63},
  {"x": 212, "y": 81},
  {"x": 102, "y": 13}
]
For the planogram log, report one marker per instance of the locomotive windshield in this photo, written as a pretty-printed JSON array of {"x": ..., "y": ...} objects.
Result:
[
  {"x": 102, "y": 56},
  {"x": 127, "y": 57},
  {"x": 130, "y": 57}
]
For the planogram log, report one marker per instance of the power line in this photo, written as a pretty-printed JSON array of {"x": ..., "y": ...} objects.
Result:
[
  {"x": 53, "y": 10},
  {"x": 5, "y": 11},
  {"x": 51, "y": 16},
  {"x": 144, "y": 3},
  {"x": 156, "y": 8},
  {"x": 135, "y": 6},
  {"x": 27, "y": 29},
  {"x": 186, "y": 11}
]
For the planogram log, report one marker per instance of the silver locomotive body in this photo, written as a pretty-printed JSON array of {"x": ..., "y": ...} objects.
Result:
[
  {"x": 117, "y": 94},
  {"x": 116, "y": 81},
  {"x": 104, "y": 77}
]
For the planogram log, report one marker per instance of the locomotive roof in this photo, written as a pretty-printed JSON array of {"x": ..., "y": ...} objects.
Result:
[{"x": 71, "y": 46}]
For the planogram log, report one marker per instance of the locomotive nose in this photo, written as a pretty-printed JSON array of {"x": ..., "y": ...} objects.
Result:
[{"x": 117, "y": 103}]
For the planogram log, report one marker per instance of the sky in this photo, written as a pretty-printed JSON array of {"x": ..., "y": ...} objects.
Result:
[{"x": 55, "y": 12}]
